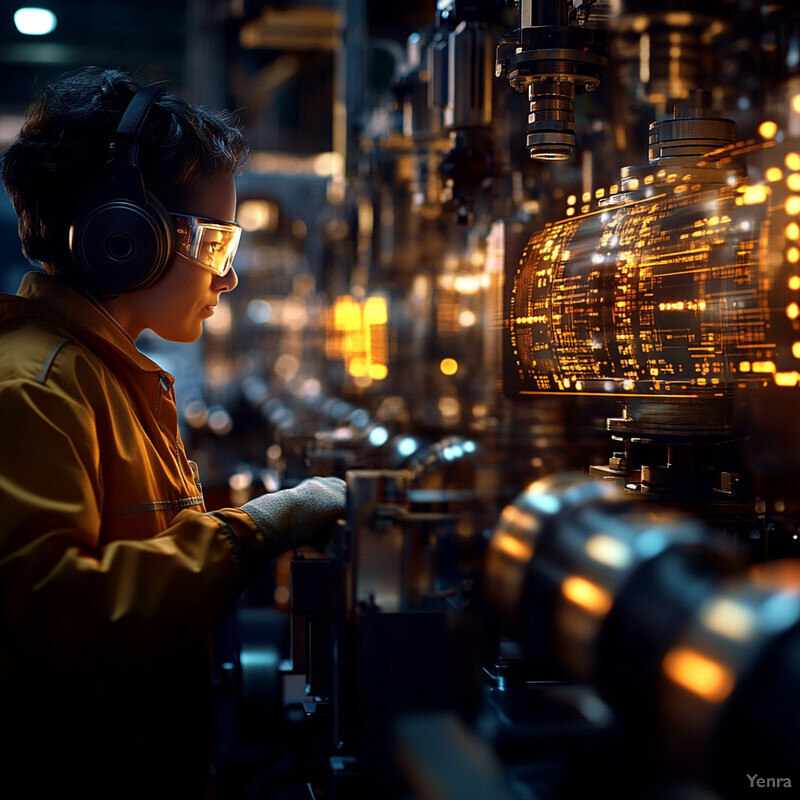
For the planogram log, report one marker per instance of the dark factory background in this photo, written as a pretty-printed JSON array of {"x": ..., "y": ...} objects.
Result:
[{"x": 527, "y": 275}]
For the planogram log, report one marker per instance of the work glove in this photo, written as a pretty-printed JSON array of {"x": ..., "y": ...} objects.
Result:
[{"x": 302, "y": 515}]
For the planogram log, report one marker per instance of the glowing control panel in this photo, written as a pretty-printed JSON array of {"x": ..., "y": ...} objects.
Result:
[{"x": 678, "y": 290}]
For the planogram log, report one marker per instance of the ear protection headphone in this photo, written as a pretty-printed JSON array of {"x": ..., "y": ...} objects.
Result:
[{"x": 122, "y": 236}]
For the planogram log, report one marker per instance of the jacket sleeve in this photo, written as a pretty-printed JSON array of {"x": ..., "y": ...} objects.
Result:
[{"x": 69, "y": 600}]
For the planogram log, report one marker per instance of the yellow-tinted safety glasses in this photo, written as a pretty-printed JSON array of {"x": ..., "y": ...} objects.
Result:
[{"x": 209, "y": 242}]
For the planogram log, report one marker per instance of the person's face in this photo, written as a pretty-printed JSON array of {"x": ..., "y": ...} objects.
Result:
[{"x": 176, "y": 305}]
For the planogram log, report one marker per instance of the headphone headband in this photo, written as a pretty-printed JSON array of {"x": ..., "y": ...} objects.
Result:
[{"x": 130, "y": 125}]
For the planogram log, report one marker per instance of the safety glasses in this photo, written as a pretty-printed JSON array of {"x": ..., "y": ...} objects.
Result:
[{"x": 209, "y": 242}]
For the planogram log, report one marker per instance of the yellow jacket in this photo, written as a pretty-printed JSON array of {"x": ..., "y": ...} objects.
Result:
[{"x": 112, "y": 573}]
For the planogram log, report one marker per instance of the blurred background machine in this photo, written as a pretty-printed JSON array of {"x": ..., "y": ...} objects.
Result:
[{"x": 527, "y": 275}]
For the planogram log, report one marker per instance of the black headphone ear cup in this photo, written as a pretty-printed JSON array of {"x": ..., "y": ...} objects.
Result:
[
  {"x": 122, "y": 237},
  {"x": 122, "y": 245}
]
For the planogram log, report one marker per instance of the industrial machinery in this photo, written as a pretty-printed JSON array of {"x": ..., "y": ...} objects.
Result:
[{"x": 541, "y": 308}]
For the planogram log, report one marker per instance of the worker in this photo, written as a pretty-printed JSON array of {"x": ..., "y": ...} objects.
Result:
[{"x": 113, "y": 573}]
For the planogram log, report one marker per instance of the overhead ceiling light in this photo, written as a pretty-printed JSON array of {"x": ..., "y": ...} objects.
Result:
[{"x": 34, "y": 21}]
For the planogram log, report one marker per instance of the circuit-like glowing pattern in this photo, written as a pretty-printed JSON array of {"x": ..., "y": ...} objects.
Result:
[{"x": 679, "y": 293}]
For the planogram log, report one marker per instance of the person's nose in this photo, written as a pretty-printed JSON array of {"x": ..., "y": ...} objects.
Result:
[{"x": 227, "y": 282}]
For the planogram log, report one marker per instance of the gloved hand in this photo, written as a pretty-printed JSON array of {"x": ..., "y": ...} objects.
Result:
[{"x": 304, "y": 514}]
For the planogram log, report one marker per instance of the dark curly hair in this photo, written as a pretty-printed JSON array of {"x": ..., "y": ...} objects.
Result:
[{"x": 60, "y": 154}]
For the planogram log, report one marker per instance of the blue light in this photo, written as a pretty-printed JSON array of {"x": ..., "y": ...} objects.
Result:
[
  {"x": 35, "y": 21},
  {"x": 258, "y": 657},
  {"x": 378, "y": 436},
  {"x": 407, "y": 446},
  {"x": 360, "y": 418},
  {"x": 547, "y": 503},
  {"x": 259, "y": 311}
]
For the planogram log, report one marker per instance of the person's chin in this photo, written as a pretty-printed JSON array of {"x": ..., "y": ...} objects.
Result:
[
  {"x": 193, "y": 336},
  {"x": 184, "y": 336}
]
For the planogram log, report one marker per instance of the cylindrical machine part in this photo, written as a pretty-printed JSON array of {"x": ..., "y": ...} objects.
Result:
[
  {"x": 667, "y": 46},
  {"x": 715, "y": 682},
  {"x": 565, "y": 553},
  {"x": 681, "y": 286},
  {"x": 670, "y": 63},
  {"x": 551, "y": 59},
  {"x": 688, "y": 137},
  {"x": 469, "y": 76},
  {"x": 653, "y": 609},
  {"x": 551, "y": 123}
]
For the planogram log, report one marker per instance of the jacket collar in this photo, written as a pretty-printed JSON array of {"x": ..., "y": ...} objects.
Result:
[{"x": 50, "y": 299}]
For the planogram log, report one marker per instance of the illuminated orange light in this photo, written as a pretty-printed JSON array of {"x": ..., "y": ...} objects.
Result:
[
  {"x": 793, "y": 231},
  {"x": 792, "y": 161},
  {"x": 755, "y": 194},
  {"x": 571, "y": 200},
  {"x": 358, "y": 367},
  {"x": 511, "y": 546},
  {"x": 681, "y": 305},
  {"x": 793, "y": 311},
  {"x": 792, "y": 205},
  {"x": 796, "y": 349},
  {"x": 586, "y": 197},
  {"x": 764, "y": 366},
  {"x": 796, "y": 104},
  {"x": 378, "y": 372},
  {"x": 793, "y": 182},
  {"x": 773, "y": 174},
  {"x": 375, "y": 312},
  {"x": 782, "y": 575},
  {"x": 586, "y": 594},
  {"x": 793, "y": 256},
  {"x": 794, "y": 282},
  {"x": 570, "y": 212},
  {"x": 356, "y": 333},
  {"x": 701, "y": 675},
  {"x": 786, "y": 378},
  {"x": 346, "y": 314},
  {"x": 448, "y": 366},
  {"x": 744, "y": 366},
  {"x": 768, "y": 129}
]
